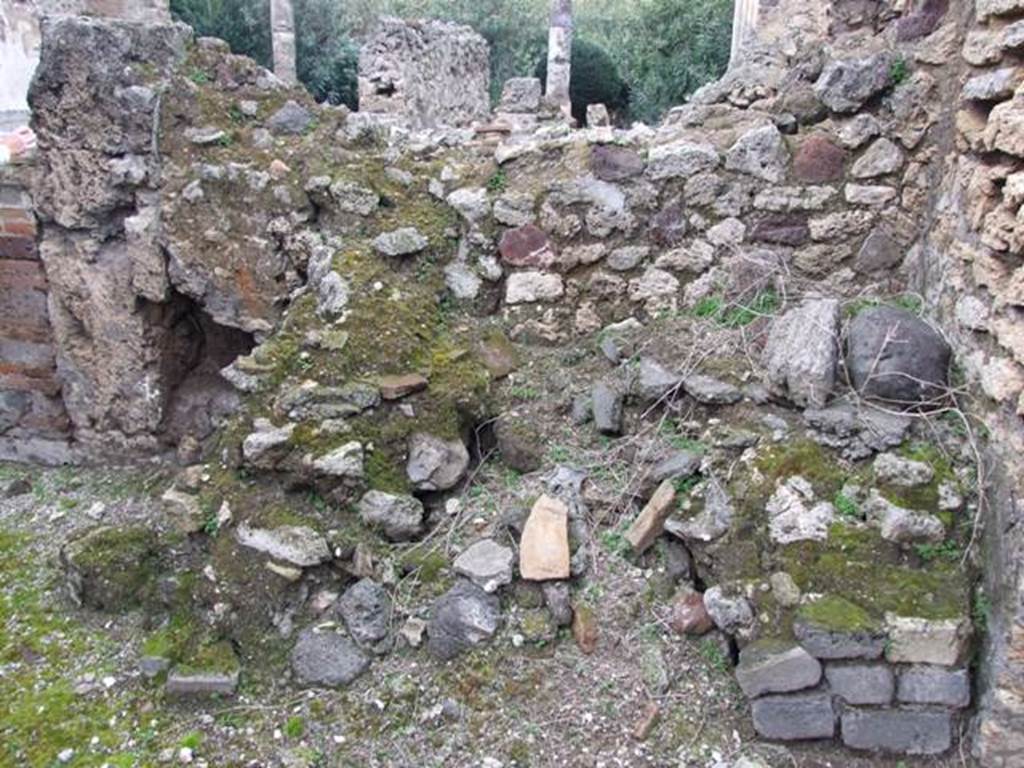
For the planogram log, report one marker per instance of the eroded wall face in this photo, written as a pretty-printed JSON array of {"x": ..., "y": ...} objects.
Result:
[{"x": 428, "y": 72}]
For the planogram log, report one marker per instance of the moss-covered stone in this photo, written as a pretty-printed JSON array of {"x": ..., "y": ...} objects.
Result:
[{"x": 111, "y": 568}]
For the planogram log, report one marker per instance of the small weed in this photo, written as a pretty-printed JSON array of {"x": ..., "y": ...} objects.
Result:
[
  {"x": 684, "y": 485},
  {"x": 981, "y": 611},
  {"x": 911, "y": 302},
  {"x": 737, "y": 315},
  {"x": 946, "y": 550},
  {"x": 67, "y": 504},
  {"x": 226, "y": 140},
  {"x": 899, "y": 71},
  {"x": 295, "y": 727},
  {"x": 684, "y": 443},
  {"x": 522, "y": 392},
  {"x": 192, "y": 740},
  {"x": 236, "y": 114},
  {"x": 559, "y": 454},
  {"x": 211, "y": 525},
  {"x": 199, "y": 77},
  {"x": 615, "y": 543},
  {"x": 845, "y": 506},
  {"x": 714, "y": 656},
  {"x": 498, "y": 182}
]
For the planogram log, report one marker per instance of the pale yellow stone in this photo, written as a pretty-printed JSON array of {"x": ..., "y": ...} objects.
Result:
[
  {"x": 544, "y": 547},
  {"x": 651, "y": 521}
]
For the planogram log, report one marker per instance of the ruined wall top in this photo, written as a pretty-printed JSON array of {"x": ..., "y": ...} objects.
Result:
[{"x": 431, "y": 72}]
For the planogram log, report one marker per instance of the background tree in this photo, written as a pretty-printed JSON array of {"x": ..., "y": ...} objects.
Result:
[
  {"x": 663, "y": 49},
  {"x": 595, "y": 80}
]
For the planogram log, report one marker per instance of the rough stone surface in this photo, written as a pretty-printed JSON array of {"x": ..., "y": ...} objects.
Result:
[
  {"x": 327, "y": 658},
  {"x": 760, "y": 153},
  {"x": 914, "y": 732},
  {"x": 463, "y": 617},
  {"x": 845, "y": 85},
  {"x": 935, "y": 685},
  {"x": 689, "y": 616},
  {"x": 774, "y": 666},
  {"x": 802, "y": 353},
  {"x": 861, "y": 683},
  {"x": 893, "y": 355},
  {"x": 544, "y": 546},
  {"x": 295, "y": 544},
  {"x": 881, "y": 158},
  {"x": 794, "y": 717},
  {"x": 399, "y": 518},
  {"x": 941, "y": 642},
  {"x": 793, "y": 514},
  {"x": 487, "y": 564},
  {"x": 291, "y": 119},
  {"x": 431, "y": 73},
  {"x": 651, "y": 521},
  {"x": 365, "y": 607},
  {"x": 607, "y": 403},
  {"x": 436, "y": 464},
  {"x": 731, "y": 613},
  {"x": 400, "y": 242}
]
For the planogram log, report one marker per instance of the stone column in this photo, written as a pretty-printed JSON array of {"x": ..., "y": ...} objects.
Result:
[
  {"x": 744, "y": 26},
  {"x": 560, "y": 56},
  {"x": 282, "y": 25}
]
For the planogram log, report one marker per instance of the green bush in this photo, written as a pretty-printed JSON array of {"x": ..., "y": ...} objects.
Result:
[
  {"x": 595, "y": 80},
  {"x": 326, "y": 58},
  {"x": 244, "y": 24}
]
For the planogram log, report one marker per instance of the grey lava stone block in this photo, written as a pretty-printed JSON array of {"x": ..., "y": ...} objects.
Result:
[
  {"x": 935, "y": 685},
  {"x": 793, "y": 718},
  {"x": 776, "y": 666},
  {"x": 861, "y": 683},
  {"x": 908, "y": 731}
]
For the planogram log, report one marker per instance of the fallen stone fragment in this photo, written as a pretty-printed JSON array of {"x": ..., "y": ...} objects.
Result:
[
  {"x": 544, "y": 546},
  {"x": 556, "y": 598},
  {"x": 366, "y": 610},
  {"x": 643, "y": 729},
  {"x": 487, "y": 564},
  {"x": 400, "y": 242},
  {"x": 184, "y": 510},
  {"x": 894, "y": 356},
  {"x": 295, "y": 544},
  {"x": 585, "y": 629},
  {"x": 265, "y": 439},
  {"x": 900, "y": 525},
  {"x": 413, "y": 630},
  {"x": 911, "y": 732},
  {"x": 399, "y": 518},
  {"x": 712, "y": 522},
  {"x": 110, "y": 568},
  {"x": 200, "y": 684},
  {"x": 290, "y": 120},
  {"x": 906, "y": 473},
  {"x": 19, "y": 486},
  {"x": 776, "y": 666},
  {"x": 802, "y": 353},
  {"x": 708, "y": 390},
  {"x": 436, "y": 464},
  {"x": 731, "y": 612},
  {"x": 607, "y": 404},
  {"x": 464, "y": 617},
  {"x": 286, "y": 572},
  {"x": 795, "y": 717},
  {"x": 397, "y": 387},
  {"x": 345, "y": 461},
  {"x": 793, "y": 515},
  {"x": 678, "y": 464},
  {"x": 327, "y": 658},
  {"x": 689, "y": 616},
  {"x": 861, "y": 683},
  {"x": 650, "y": 523}
]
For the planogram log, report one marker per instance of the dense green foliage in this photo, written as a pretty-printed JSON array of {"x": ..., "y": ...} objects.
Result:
[
  {"x": 664, "y": 49},
  {"x": 595, "y": 80},
  {"x": 244, "y": 24},
  {"x": 327, "y": 58}
]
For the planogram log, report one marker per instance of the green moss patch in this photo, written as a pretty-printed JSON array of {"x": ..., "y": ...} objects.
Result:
[{"x": 838, "y": 615}]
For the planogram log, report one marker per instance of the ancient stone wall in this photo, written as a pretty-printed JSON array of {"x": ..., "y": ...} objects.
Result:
[
  {"x": 431, "y": 72},
  {"x": 830, "y": 169}
]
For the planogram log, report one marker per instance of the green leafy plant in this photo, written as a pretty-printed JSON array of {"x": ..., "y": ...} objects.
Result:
[
  {"x": 712, "y": 653},
  {"x": 595, "y": 80},
  {"x": 946, "y": 550},
  {"x": 295, "y": 727},
  {"x": 898, "y": 71},
  {"x": 498, "y": 182},
  {"x": 845, "y": 506}
]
